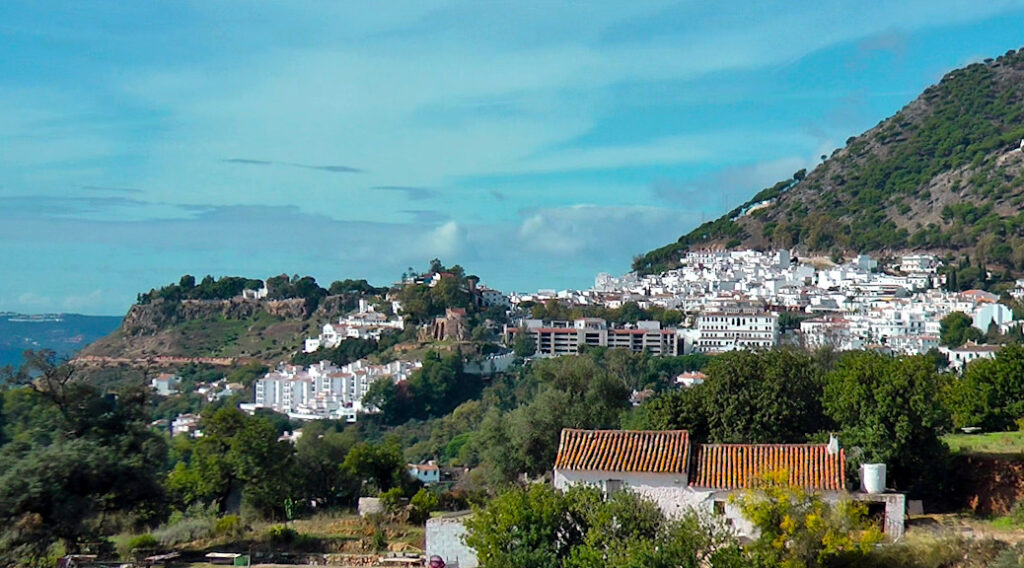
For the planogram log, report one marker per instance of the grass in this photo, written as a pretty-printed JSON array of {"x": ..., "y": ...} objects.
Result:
[{"x": 1010, "y": 443}]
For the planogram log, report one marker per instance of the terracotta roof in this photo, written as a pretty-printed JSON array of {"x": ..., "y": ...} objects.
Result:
[
  {"x": 736, "y": 466},
  {"x": 650, "y": 451}
]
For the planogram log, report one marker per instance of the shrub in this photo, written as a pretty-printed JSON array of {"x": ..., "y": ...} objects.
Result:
[
  {"x": 392, "y": 499},
  {"x": 187, "y": 529},
  {"x": 282, "y": 535},
  {"x": 143, "y": 541},
  {"x": 230, "y": 526},
  {"x": 287, "y": 537},
  {"x": 422, "y": 504}
]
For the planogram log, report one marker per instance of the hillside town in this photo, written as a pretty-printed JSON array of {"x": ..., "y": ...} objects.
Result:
[{"x": 734, "y": 300}]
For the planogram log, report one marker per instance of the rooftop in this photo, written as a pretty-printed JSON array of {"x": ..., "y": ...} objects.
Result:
[{"x": 649, "y": 451}]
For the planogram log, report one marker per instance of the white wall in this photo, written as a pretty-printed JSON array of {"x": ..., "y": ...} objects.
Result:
[
  {"x": 444, "y": 538},
  {"x": 668, "y": 490}
]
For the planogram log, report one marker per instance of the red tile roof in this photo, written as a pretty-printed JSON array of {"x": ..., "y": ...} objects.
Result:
[
  {"x": 649, "y": 451},
  {"x": 737, "y": 466}
]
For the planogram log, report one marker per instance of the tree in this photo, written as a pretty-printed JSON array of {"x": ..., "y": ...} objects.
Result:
[
  {"x": 377, "y": 468},
  {"x": 991, "y": 392},
  {"x": 542, "y": 527},
  {"x": 762, "y": 397},
  {"x": 801, "y": 530},
  {"x": 76, "y": 457},
  {"x": 956, "y": 329},
  {"x": 318, "y": 454},
  {"x": 889, "y": 408},
  {"x": 238, "y": 454},
  {"x": 421, "y": 505},
  {"x": 523, "y": 344}
]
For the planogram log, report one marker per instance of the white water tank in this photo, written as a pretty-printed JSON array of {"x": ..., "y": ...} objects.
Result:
[{"x": 872, "y": 477}]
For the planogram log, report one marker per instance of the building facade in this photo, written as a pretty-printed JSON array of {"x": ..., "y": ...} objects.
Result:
[
  {"x": 568, "y": 338},
  {"x": 721, "y": 331}
]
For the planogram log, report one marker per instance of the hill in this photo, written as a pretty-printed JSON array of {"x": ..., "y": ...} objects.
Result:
[
  {"x": 232, "y": 320},
  {"x": 65, "y": 334},
  {"x": 944, "y": 174},
  {"x": 212, "y": 319}
]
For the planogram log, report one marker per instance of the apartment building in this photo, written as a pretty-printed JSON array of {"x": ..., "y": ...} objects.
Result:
[
  {"x": 721, "y": 331},
  {"x": 566, "y": 338}
]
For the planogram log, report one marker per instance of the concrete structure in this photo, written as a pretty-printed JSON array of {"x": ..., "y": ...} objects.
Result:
[
  {"x": 445, "y": 537},
  {"x": 560, "y": 338},
  {"x": 721, "y": 331}
]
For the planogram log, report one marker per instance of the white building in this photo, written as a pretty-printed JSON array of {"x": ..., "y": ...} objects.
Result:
[
  {"x": 427, "y": 473},
  {"x": 186, "y": 424},
  {"x": 919, "y": 263},
  {"x": 989, "y": 314},
  {"x": 324, "y": 390},
  {"x": 959, "y": 357},
  {"x": 657, "y": 465},
  {"x": 364, "y": 324},
  {"x": 165, "y": 384},
  {"x": 721, "y": 331}
]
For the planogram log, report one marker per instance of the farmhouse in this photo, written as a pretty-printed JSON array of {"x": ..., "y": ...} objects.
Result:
[{"x": 664, "y": 467}]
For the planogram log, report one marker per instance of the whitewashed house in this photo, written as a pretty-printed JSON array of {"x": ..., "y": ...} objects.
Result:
[
  {"x": 959, "y": 357},
  {"x": 658, "y": 464},
  {"x": 165, "y": 384},
  {"x": 427, "y": 473}
]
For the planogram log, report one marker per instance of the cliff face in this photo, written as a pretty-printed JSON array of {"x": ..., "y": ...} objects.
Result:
[
  {"x": 147, "y": 319},
  {"x": 143, "y": 319},
  {"x": 268, "y": 330}
]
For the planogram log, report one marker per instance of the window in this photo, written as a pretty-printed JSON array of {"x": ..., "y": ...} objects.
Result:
[{"x": 719, "y": 508}]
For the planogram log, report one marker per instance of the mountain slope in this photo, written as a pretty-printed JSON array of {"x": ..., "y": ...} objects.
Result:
[{"x": 945, "y": 174}]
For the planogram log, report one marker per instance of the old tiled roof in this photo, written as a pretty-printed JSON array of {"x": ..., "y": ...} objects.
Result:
[
  {"x": 736, "y": 466},
  {"x": 650, "y": 451}
]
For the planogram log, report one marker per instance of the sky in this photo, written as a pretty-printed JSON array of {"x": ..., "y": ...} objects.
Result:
[{"x": 534, "y": 143}]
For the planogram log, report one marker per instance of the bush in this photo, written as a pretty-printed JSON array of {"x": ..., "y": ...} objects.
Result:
[
  {"x": 186, "y": 529},
  {"x": 392, "y": 499},
  {"x": 230, "y": 526},
  {"x": 287, "y": 537},
  {"x": 422, "y": 504},
  {"x": 282, "y": 535},
  {"x": 143, "y": 541}
]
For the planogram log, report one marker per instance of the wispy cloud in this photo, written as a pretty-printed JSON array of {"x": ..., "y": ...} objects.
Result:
[
  {"x": 334, "y": 169},
  {"x": 411, "y": 193},
  {"x": 107, "y": 188},
  {"x": 247, "y": 161}
]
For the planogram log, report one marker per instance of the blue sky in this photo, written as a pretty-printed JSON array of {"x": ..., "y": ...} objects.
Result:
[{"x": 535, "y": 143}]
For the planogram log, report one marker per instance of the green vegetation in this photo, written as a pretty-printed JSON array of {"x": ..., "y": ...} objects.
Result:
[
  {"x": 1004, "y": 443},
  {"x": 991, "y": 393},
  {"x": 869, "y": 196},
  {"x": 541, "y": 527}
]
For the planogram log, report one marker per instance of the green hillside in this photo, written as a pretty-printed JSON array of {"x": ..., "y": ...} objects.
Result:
[{"x": 944, "y": 174}]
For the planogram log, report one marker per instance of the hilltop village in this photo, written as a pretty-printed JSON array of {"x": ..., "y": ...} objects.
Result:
[{"x": 724, "y": 300}]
